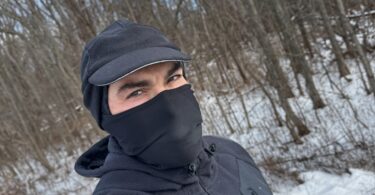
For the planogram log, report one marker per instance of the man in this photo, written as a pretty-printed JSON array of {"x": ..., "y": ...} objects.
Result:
[{"x": 134, "y": 85}]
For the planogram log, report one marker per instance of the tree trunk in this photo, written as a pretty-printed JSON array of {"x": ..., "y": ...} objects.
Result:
[
  {"x": 343, "y": 68},
  {"x": 277, "y": 76},
  {"x": 299, "y": 63}
]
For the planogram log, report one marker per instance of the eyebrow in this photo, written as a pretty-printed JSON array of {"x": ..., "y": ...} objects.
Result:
[
  {"x": 144, "y": 83},
  {"x": 131, "y": 85},
  {"x": 176, "y": 66}
]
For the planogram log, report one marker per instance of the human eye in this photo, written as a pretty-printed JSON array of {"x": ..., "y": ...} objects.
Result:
[
  {"x": 135, "y": 93},
  {"x": 174, "y": 77}
]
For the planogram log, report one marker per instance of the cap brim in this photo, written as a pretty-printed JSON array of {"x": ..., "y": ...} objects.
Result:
[{"x": 131, "y": 62}]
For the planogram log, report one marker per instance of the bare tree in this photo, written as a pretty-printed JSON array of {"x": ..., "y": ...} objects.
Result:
[{"x": 361, "y": 54}]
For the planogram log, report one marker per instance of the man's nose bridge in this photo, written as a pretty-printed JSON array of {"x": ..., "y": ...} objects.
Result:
[{"x": 160, "y": 87}]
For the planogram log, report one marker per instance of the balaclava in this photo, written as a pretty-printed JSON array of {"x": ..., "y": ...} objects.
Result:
[{"x": 164, "y": 132}]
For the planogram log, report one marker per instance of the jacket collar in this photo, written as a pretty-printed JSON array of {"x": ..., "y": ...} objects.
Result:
[{"x": 106, "y": 156}]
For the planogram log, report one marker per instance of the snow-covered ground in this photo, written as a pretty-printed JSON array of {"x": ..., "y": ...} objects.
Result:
[{"x": 359, "y": 182}]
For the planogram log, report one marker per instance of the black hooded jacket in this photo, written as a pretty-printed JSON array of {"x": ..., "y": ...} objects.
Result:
[{"x": 223, "y": 167}]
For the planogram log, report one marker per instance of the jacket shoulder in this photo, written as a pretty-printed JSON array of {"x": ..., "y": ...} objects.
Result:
[
  {"x": 250, "y": 177},
  {"x": 118, "y": 191},
  {"x": 230, "y": 147},
  {"x": 116, "y": 183}
]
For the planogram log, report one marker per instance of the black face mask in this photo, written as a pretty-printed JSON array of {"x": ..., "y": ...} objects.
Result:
[{"x": 165, "y": 131}]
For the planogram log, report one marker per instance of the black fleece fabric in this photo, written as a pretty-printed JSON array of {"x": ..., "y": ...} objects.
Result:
[{"x": 223, "y": 167}]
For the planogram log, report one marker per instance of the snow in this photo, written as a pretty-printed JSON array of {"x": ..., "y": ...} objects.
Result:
[{"x": 359, "y": 182}]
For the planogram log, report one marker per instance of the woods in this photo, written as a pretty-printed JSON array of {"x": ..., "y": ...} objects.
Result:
[{"x": 237, "y": 47}]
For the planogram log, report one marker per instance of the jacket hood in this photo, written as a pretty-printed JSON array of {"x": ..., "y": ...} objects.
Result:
[
  {"x": 106, "y": 156},
  {"x": 90, "y": 163}
]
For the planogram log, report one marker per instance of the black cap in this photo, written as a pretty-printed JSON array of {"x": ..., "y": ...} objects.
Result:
[{"x": 122, "y": 48}]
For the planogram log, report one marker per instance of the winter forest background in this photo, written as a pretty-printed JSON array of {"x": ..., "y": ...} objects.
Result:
[{"x": 292, "y": 81}]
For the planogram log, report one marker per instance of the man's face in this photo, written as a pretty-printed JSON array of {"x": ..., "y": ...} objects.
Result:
[{"x": 144, "y": 84}]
